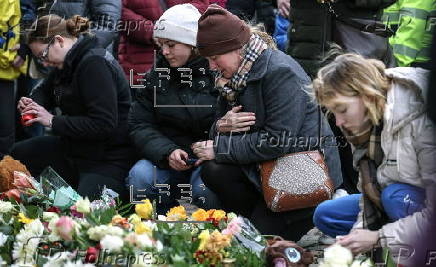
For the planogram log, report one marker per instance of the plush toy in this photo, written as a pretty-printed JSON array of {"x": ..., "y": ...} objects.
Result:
[{"x": 7, "y": 168}]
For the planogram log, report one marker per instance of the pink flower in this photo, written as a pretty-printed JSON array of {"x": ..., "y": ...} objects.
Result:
[
  {"x": 75, "y": 213},
  {"x": 22, "y": 181},
  {"x": 13, "y": 193},
  {"x": 234, "y": 227},
  {"x": 65, "y": 227}
]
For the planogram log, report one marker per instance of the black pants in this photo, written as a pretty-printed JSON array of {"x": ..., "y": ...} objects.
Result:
[
  {"x": 86, "y": 176},
  {"x": 7, "y": 117},
  {"x": 239, "y": 195}
]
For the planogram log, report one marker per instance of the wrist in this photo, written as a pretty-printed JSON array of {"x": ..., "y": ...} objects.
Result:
[{"x": 50, "y": 122}]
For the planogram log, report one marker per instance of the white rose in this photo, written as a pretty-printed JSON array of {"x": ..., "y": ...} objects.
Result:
[
  {"x": 161, "y": 218},
  {"x": 5, "y": 206},
  {"x": 143, "y": 241},
  {"x": 112, "y": 243},
  {"x": 159, "y": 245},
  {"x": 114, "y": 230},
  {"x": 83, "y": 205},
  {"x": 337, "y": 255},
  {"x": 3, "y": 239},
  {"x": 47, "y": 216},
  {"x": 97, "y": 233},
  {"x": 359, "y": 263},
  {"x": 58, "y": 259}
]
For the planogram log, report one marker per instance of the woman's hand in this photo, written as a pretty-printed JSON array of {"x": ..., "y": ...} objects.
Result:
[
  {"x": 177, "y": 159},
  {"x": 359, "y": 240},
  {"x": 284, "y": 6},
  {"x": 204, "y": 151},
  {"x": 23, "y": 103},
  {"x": 42, "y": 115},
  {"x": 235, "y": 121}
]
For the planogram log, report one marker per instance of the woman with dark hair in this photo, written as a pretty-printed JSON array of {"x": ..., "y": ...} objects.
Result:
[
  {"x": 89, "y": 147},
  {"x": 171, "y": 114},
  {"x": 263, "y": 98}
]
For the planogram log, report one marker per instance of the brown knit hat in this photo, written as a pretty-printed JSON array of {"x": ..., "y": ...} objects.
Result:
[{"x": 219, "y": 32}]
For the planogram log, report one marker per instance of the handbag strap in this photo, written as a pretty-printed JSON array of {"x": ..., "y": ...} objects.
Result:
[
  {"x": 376, "y": 27},
  {"x": 320, "y": 149}
]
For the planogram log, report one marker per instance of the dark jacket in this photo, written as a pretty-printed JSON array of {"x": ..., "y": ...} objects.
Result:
[
  {"x": 160, "y": 123},
  {"x": 313, "y": 26},
  {"x": 104, "y": 14},
  {"x": 247, "y": 10},
  {"x": 94, "y": 97},
  {"x": 286, "y": 118}
]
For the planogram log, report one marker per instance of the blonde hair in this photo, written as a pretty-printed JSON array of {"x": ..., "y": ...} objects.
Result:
[
  {"x": 353, "y": 75},
  {"x": 46, "y": 27}
]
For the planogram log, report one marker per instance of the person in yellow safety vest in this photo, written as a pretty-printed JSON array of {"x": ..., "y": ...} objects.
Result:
[
  {"x": 11, "y": 66},
  {"x": 412, "y": 22}
]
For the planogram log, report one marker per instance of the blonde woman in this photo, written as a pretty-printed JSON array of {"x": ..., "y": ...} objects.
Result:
[{"x": 382, "y": 113}]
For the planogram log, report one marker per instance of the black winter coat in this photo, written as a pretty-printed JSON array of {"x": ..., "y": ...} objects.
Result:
[
  {"x": 94, "y": 97},
  {"x": 170, "y": 114},
  {"x": 286, "y": 118},
  {"x": 313, "y": 26}
]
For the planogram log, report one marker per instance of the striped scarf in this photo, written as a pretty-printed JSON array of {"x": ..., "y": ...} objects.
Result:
[
  {"x": 368, "y": 155},
  {"x": 231, "y": 88}
]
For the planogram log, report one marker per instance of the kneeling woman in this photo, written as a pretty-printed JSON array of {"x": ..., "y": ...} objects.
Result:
[
  {"x": 175, "y": 109},
  {"x": 382, "y": 114},
  {"x": 89, "y": 147},
  {"x": 263, "y": 97}
]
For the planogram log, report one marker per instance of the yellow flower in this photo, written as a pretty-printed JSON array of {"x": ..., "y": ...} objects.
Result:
[
  {"x": 144, "y": 210},
  {"x": 210, "y": 212},
  {"x": 216, "y": 214},
  {"x": 204, "y": 237},
  {"x": 134, "y": 219},
  {"x": 142, "y": 228},
  {"x": 217, "y": 241},
  {"x": 83, "y": 205},
  {"x": 200, "y": 215},
  {"x": 22, "y": 218},
  {"x": 176, "y": 214},
  {"x": 219, "y": 215}
]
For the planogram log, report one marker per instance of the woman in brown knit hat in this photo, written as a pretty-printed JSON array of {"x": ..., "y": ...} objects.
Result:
[{"x": 262, "y": 97}]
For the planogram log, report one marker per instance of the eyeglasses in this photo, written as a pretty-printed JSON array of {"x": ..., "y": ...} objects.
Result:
[{"x": 44, "y": 55}]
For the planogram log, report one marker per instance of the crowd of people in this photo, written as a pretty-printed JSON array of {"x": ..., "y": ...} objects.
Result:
[{"x": 190, "y": 104}]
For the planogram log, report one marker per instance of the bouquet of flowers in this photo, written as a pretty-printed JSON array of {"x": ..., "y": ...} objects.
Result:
[{"x": 46, "y": 227}]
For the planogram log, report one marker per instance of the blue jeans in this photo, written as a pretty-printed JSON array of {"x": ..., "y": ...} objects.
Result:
[
  {"x": 337, "y": 216},
  {"x": 168, "y": 185}
]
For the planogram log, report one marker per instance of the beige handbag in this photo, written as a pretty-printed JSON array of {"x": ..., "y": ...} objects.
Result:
[{"x": 297, "y": 180}]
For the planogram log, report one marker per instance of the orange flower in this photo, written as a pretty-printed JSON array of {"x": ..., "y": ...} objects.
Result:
[
  {"x": 176, "y": 214},
  {"x": 200, "y": 215},
  {"x": 120, "y": 221}
]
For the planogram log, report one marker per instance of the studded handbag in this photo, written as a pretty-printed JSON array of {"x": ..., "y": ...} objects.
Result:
[{"x": 297, "y": 180}]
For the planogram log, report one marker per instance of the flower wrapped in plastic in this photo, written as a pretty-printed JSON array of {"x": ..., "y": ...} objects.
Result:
[{"x": 59, "y": 191}]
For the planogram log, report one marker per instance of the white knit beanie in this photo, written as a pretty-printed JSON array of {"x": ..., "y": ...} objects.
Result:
[{"x": 178, "y": 23}]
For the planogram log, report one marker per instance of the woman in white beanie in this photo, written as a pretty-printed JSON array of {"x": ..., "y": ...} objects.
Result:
[{"x": 175, "y": 109}]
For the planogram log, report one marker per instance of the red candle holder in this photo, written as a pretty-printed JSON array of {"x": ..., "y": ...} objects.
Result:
[{"x": 25, "y": 118}]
